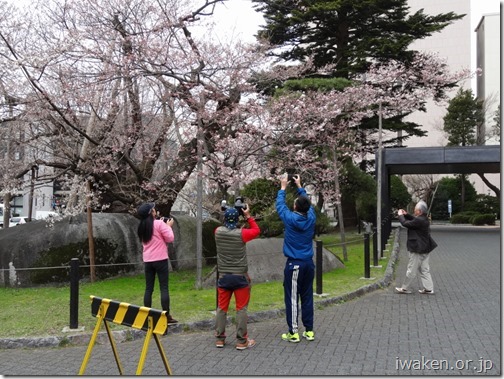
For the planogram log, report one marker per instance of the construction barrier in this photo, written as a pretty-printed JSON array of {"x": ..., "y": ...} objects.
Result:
[{"x": 153, "y": 321}]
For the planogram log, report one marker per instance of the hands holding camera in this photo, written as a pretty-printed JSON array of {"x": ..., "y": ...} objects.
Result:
[
  {"x": 168, "y": 221},
  {"x": 286, "y": 178},
  {"x": 401, "y": 212},
  {"x": 246, "y": 212}
]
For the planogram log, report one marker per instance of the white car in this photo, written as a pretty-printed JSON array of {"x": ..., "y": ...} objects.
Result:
[{"x": 17, "y": 220}]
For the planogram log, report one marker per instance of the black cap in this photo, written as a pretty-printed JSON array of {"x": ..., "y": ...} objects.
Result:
[{"x": 145, "y": 209}]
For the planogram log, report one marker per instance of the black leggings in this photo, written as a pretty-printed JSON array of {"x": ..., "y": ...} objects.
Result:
[{"x": 161, "y": 269}]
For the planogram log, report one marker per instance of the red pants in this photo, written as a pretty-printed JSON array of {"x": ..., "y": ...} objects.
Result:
[{"x": 242, "y": 298}]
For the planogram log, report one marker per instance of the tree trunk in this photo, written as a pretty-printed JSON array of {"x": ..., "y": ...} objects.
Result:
[
  {"x": 199, "y": 218},
  {"x": 7, "y": 210},
  {"x": 92, "y": 274},
  {"x": 341, "y": 224},
  {"x": 490, "y": 185},
  {"x": 462, "y": 192}
]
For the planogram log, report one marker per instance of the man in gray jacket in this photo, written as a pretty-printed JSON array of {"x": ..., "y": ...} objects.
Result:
[{"x": 420, "y": 244}]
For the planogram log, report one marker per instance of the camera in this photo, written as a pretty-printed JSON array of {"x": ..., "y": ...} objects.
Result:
[
  {"x": 291, "y": 177},
  {"x": 164, "y": 219},
  {"x": 239, "y": 205}
]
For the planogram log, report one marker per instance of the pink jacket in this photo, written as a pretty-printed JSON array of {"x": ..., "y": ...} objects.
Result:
[{"x": 156, "y": 249}]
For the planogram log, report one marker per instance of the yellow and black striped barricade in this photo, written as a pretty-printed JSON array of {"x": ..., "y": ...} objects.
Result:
[{"x": 153, "y": 321}]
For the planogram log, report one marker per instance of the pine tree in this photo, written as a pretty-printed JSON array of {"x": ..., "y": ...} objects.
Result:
[
  {"x": 344, "y": 38},
  {"x": 464, "y": 115},
  {"x": 497, "y": 122},
  {"x": 348, "y": 34},
  {"x": 461, "y": 121}
]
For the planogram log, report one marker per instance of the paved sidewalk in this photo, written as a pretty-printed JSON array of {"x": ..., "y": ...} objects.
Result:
[{"x": 455, "y": 331}]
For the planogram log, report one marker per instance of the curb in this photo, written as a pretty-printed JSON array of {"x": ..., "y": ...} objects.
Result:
[{"x": 204, "y": 325}]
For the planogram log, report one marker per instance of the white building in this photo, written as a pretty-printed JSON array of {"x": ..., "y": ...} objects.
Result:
[
  {"x": 453, "y": 44},
  {"x": 488, "y": 60}
]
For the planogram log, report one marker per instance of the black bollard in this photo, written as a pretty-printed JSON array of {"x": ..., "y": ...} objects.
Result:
[
  {"x": 375, "y": 247},
  {"x": 367, "y": 272},
  {"x": 74, "y": 293},
  {"x": 318, "y": 268}
]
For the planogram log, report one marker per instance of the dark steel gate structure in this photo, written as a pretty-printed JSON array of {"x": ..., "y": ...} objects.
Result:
[{"x": 431, "y": 160}]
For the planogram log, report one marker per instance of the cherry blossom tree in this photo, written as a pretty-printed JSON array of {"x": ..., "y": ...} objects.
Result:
[
  {"x": 119, "y": 93},
  {"x": 302, "y": 130},
  {"x": 116, "y": 93}
]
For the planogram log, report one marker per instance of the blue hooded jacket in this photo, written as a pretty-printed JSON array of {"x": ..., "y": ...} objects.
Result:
[{"x": 299, "y": 229}]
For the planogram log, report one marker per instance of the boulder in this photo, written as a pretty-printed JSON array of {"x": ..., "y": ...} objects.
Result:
[
  {"x": 53, "y": 244},
  {"x": 266, "y": 261},
  {"x": 26, "y": 248}
]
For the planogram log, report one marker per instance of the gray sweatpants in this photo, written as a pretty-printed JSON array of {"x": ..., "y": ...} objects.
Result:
[{"x": 418, "y": 263}]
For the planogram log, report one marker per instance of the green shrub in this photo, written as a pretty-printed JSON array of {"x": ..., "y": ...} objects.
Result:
[
  {"x": 483, "y": 219},
  {"x": 323, "y": 223},
  {"x": 463, "y": 217},
  {"x": 270, "y": 228},
  {"x": 484, "y": 204},
  {"x": 260, "y": 194}
]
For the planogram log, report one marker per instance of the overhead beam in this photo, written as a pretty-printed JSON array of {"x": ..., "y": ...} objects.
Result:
[{"x": 442, "y": 160}]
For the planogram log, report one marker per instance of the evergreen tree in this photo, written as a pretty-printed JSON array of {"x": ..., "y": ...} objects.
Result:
[
  {"x": 344, "y": 37},
  {"x": 464, "y": 115},
  {"x": 451, "y": 189},
  {"x": 348, "y": 34},
  {"x": 399, "y": 195},
  {"x": 497, "y": 121}
]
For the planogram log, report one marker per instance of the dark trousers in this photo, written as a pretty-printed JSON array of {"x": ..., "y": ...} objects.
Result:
[
  {"x": 161, "y": 269},
  {"x": 298, "y": 285}
]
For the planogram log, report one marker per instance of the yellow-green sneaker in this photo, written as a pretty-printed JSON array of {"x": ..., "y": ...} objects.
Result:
[
  {"x": 294, "y": 337},
  {"x": 309, "y": 335}
]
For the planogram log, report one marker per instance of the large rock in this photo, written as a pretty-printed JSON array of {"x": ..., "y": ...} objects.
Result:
[
  {"x": 117, "y": 250},
  {"x": 183, "y": 250},
  {"x": 41, "y": 244},
  {"x": 266, "y": 261}
]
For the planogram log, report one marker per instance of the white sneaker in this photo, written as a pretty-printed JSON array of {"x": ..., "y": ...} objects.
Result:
[
  {"x": 402, "y": 290},
  {"x": 426, "y": 292}
]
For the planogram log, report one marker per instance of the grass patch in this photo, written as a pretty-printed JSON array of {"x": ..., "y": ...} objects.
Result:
[{"x": 45, "y": 311}]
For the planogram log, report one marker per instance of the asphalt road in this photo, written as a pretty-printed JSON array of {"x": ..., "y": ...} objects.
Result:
[{"x": 456, "y": 331}]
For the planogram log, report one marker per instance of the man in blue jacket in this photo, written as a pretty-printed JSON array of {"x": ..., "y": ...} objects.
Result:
[{"x": 299, "y": 269}]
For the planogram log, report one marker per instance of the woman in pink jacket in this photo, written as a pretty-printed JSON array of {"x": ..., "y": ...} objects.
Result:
[{"x": 155, "y": 234}]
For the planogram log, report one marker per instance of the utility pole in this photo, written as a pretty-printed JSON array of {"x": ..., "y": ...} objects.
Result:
[
  {"x": 379, "y": 180},
  {"x": 199, "y": 202},
  {"x": 7, "y": 196},
  {"x": 341, "y": 224},
  {"x": 92, "y": 268}
]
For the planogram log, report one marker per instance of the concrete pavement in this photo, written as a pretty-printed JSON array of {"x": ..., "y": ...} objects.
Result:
[{"x": 455, "y": 331}]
